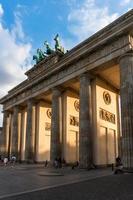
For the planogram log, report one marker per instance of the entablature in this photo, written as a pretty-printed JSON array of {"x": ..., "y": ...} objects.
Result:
[{"x": 46, "y": 63}]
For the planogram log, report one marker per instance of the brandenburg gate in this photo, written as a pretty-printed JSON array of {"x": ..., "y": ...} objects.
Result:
[{"x": 77, "y": 106}]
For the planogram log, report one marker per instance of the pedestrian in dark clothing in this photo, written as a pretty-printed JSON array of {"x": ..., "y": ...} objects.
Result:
[{"x": 118, "y": 166}]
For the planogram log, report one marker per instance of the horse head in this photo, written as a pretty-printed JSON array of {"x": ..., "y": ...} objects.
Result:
[
  {"x": 34, "y": 57},
  {"x": 56, "y": 37},
  {"x": 46, "y": 44}
]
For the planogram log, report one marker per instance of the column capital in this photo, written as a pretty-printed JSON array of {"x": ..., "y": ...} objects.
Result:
[
  {"x": 86, "y": 75},
  {"x": 6, "y": 112},
  {"x": 56, "y": 91},
  {"x": 129, "y": 54},
  {"x": 16, "y": 107},
  {"x": 31, "y": 101}
]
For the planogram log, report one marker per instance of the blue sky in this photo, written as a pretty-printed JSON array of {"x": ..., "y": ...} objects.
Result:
[{"x": 26, "y": 24}]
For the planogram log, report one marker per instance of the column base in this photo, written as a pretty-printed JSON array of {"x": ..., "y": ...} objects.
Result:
[
  {"x": 89, "y": 166},
  {"x": 128, "y": 170}
]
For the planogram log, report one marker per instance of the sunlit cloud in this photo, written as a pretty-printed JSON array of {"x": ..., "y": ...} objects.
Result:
[
  {"x": 15, "y": 54},
  {"x": 125, "y": 2},
  {"x": 86, "y": 19}
]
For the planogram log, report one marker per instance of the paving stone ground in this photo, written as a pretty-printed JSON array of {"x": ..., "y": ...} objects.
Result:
[{"x": 24, "y": 182}]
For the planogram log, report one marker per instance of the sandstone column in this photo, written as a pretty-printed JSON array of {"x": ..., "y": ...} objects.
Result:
[
  {"x": 21, "y": 137},
  {"x": 23, "y": 134},
  {"x": 14, "y": 146},
  {"x": 5, "y": 134},
  {"x": 126, "y": 94},
  {"x": 85, "y": 131},
  {"x": 9, "y": 144},
  {"x": 55, "y": 149},
  {"x": 29, "y": 146}
]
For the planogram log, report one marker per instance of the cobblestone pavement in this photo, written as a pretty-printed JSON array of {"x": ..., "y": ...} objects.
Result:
[
  {"x": 113, "y": 187},
  {"x": 26, "y": 183}
]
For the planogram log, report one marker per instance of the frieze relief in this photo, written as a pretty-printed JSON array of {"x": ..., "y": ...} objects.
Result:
[
  {"x": 74, "y": 121},
  {"x": 106, "y": 97},
  {"x": 106, "y": 116},
  {"x": 47, "y": 126},
  {"x": 76, "y": 105},
  {"x": 49, "y": 113},
  {"x": 47, "y": 81}
]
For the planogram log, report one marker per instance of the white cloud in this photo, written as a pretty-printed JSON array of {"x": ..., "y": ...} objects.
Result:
[
  {"x": 68, "y": 43},
  {"x": 1, "y": 10},
  {"x": 70, "y": 2},
  {"x": 14, "y": 53},
  {"x": 87, "y": 18},
  {"x": 125, "y": 2},
  {"x": 17, "y": 30}
]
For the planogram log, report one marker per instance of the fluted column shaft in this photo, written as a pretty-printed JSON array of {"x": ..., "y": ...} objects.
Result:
[
  {"x": 126, "y": 94},
  {"x": 14, "y": 143},
  {"x": 85, "y": 131},
  {"x": 29, "y": 147},
  {"x": 55, "y": 150},
  {"x": 5, "y": 134}
]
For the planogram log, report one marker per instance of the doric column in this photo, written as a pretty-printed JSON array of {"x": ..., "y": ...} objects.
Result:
[
  {"x": 29, "y": 146},
  {"x": 14, "y": 143},
  {"x": 19, "y": 132},
  {"x": 85, "y": 131},
  {"x": 9, "y": 143},
  {"x": 5, "y": 134},
  {"x": 126, "y": 94},
  {"x": 23, "y": 135},
  {"x": 55, "y": 150}
]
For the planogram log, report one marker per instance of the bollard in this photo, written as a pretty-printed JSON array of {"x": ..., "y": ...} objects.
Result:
[{"x": 112, "y": 165}]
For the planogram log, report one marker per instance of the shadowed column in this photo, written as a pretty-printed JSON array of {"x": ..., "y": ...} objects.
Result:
[
  {"x": 5, "y": 134},
  {"x": 126, "y": 94},
  {"x": 14, "y": 146},
  {"x": 55, "y": 150},
  {"x": 85, "y": 131},
  {"x": 30, "y": 136}
]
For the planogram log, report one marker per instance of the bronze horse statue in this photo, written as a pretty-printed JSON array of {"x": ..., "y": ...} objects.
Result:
[
  {"x": 58, "y": 47},
  {"x": 39, "y": 57},
  {"x": 49, "y": 50}
]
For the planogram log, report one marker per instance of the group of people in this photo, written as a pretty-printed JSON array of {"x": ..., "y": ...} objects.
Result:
[
  {"x": 59, "y": 163},
  {"x": 8, "y": 159}
]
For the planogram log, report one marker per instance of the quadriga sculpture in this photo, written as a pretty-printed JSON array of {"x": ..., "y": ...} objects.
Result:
[
  {"x": 49, "y": 50},
  {"x": 58, "y": 47},
  {"x": 39, "y": 57}
]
